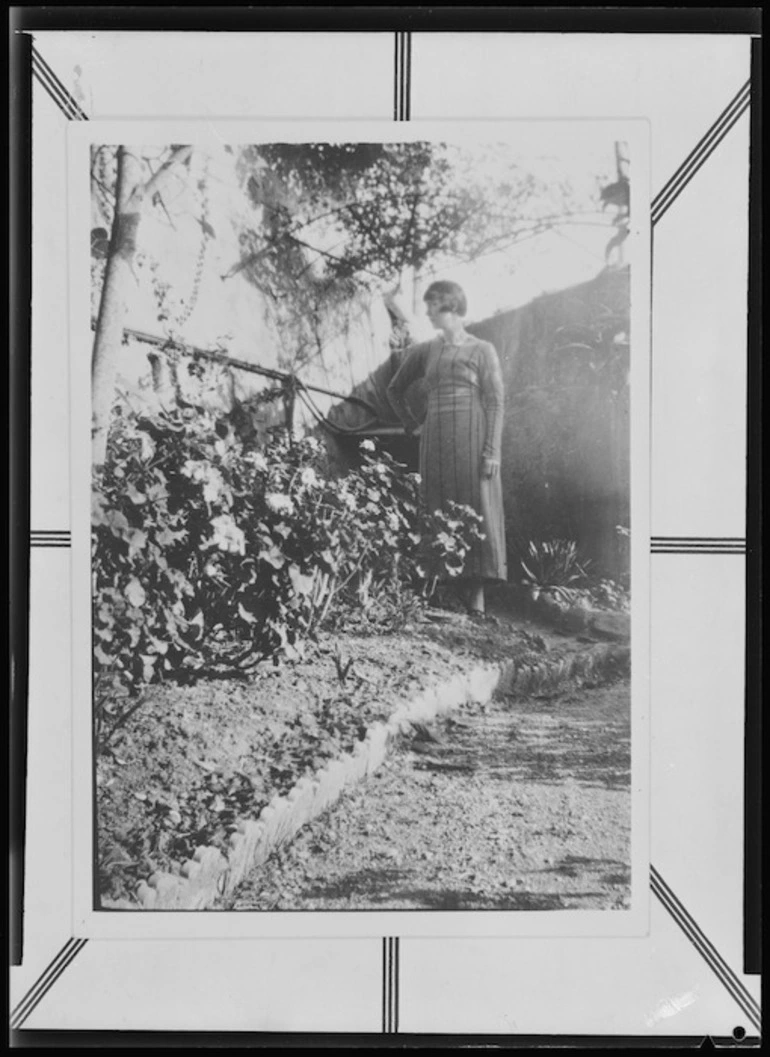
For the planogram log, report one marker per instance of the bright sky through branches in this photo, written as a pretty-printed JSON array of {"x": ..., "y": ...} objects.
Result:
[{"x": 571, "y": 251}]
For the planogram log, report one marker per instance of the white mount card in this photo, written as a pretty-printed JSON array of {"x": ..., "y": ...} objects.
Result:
[{"x": 670, "y": 961}]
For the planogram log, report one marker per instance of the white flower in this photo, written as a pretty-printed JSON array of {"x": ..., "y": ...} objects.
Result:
[
  {"x": 204, "y": 473},
  {"x": 259, "y": 460},
  {"x": 148, "y": 447},
  {"x": 367, "y": 445},
  {"x": 393, "y": 522},
  {"x": 309, "y": 477},
  {"x": 279, "y": 503},
  {"x": 227, "y": 535},
  {"x": 213, "y": 485},
  {"x": 195, "y": 470}
]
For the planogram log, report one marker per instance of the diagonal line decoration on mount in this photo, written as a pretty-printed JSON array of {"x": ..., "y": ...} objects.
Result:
[
  {"x": 390, "y": 982},
  {"x": 45, "y": 981},
  {"x": 705, "y": 947},
  {"x": 390, "y": 945},
  {"x": 60, "y": 95},
  {"x": 698, "y": 155}
]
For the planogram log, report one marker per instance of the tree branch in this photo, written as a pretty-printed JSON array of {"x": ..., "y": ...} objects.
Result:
[
  {"x": 408, "y": 234},
  {"x": 178, "y": 157},
  {"x": 249, "y": 259}
]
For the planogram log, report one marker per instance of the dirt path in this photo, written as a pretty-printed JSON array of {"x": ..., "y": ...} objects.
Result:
[{"x": 516, "y": 805}]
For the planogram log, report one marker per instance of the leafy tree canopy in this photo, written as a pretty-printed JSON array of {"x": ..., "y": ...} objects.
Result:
[{"x": 371, "y": 210}]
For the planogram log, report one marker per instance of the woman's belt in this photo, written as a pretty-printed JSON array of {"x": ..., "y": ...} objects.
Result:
[{"x": 454, "y": 395}]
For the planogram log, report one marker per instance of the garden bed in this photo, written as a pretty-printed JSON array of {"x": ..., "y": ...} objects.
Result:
[
  {"x": 521, "y": 802},
  {"x": 196, "y": 759}
]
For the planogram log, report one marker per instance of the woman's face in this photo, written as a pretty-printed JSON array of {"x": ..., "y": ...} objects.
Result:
[{"x": 437, "y": 314}]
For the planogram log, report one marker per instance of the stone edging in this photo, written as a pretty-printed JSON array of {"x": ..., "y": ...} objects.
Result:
[
  {"x": 209, "y": 875},
  {"x": 608, "y": 624}
]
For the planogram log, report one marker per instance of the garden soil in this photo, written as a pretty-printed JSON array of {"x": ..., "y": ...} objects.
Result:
[
  {"x": 515, "y": 805},
  {"x": 522, "y": 803}
]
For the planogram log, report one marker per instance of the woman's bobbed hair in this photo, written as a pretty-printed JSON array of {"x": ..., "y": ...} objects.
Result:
[{"x": 448, "y": 296}]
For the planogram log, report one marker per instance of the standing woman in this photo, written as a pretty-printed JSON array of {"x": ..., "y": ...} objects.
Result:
[{"x": 460, "y": 442}]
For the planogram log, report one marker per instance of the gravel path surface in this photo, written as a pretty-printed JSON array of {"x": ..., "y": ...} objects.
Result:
[{"x": 513, "y": 805}]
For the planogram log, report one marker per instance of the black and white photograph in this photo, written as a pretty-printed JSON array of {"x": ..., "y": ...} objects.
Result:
[
  {"x": 382, "y": 593},
  {"x": 361, "y": 522}
]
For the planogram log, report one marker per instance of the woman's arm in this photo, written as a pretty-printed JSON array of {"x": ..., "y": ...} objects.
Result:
[
  {"x": 410, "y": 370},
  {"x": 492, "y": 399}
]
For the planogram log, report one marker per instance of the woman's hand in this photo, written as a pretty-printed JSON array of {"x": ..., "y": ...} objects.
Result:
[{"x": 490, "y": 467}]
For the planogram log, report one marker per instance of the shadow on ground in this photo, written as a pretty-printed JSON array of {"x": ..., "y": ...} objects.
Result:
[
  {"x": 390, "y": 886},
  {"x": 545, "y": 742},
  {"x": 613, "y": 872}
]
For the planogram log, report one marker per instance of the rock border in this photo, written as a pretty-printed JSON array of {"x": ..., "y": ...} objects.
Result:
[
  {"x": 210, "y": 875},
  {"x": 606, "y": 623}
]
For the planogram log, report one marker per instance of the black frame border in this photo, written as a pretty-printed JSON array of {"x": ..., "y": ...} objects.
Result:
[
  {"x": 736, "y": 20},
  {"x": 743, "y": 19}
]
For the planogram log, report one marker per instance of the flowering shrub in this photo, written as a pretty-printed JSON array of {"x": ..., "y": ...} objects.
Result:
[
  {"x": 446, "y": 539},
  {"x": 209, "y": 557}
]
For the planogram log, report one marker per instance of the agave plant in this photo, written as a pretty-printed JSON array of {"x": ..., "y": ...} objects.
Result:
[{"x": 553, "y": 566}]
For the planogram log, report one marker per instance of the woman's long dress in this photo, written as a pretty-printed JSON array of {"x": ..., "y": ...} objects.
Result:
[{"x": 463, "y": 426}]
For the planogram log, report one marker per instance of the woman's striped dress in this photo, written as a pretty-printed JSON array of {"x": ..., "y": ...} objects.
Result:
[{"x": 463, "y": 426}]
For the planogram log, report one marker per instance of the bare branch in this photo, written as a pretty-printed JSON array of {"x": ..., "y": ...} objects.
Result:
[
  {"x": 251, "y": 258},
  {"x": 178, "y": 157}
]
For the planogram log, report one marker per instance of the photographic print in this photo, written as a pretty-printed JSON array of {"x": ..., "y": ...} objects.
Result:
[
  {"x": 361, "y": 521},
  {"x": 308, "y": 750}
]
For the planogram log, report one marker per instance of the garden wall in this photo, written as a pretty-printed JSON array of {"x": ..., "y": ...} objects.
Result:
[
  {"x": 566, "y": 441},
  {"x": 355, "y": 338},
  {"x": 211, "y": 293}
]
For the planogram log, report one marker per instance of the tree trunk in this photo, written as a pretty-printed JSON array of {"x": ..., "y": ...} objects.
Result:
[
  {"x": 418, "y": 286},
  {"x": 405, "y": 301},
  {"x": 112, "y": 308},
  {"x": 130, "y": 197}
]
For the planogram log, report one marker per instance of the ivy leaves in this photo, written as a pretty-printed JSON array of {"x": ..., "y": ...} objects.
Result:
[{"x": 208, "y": 558}]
